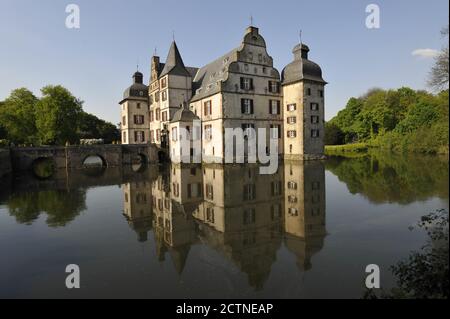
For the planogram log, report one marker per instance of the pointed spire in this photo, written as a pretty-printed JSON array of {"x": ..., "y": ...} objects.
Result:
[{"x": 174, "y": 63}]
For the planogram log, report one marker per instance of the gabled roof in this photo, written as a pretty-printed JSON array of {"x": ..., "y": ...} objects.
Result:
[
  {"x": 207, "y": 78},
  {"x": 174, "y": 63}
]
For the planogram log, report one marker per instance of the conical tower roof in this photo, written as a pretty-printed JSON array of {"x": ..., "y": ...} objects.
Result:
[{"x": 174, "y": 63}]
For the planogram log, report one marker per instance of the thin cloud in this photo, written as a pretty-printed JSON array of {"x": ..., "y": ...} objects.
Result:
[{"x": 425, "y": 53}]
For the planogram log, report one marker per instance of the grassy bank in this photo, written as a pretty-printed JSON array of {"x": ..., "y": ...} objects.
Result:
[{"x": 356, "y": 149}]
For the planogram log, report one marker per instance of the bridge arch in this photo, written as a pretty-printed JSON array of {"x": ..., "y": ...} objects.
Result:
[
  {"x": 139, "y": 162},
  {"x": 93, "y": 160},
  {"x": 43, "y": 167}
]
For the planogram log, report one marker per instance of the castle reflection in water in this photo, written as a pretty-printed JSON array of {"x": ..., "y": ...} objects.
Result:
[{"x": 244, "y": 216}]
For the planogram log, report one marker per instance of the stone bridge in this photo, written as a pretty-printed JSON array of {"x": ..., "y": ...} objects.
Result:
[{"x": 73, "y": 157}]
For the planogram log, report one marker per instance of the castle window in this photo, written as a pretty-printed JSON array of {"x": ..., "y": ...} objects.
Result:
[
  {"x": 209, "y": 191},
  {"x": 139, "y": 119},
  {"x": 152, "y": 116},
  {"x": 276, "y": 188},
  {"x": 152, "y": 136},
  {"x": 274, "y": 107},
  {"x": 124, "y": 120},
  {"x": 292, "y": 199},
  {"x": 210, "y": 215},
  {"x": 292, "y": 185},
  {"x": 164, "y": 95},
  {"x": 314, "y": 106},
  {"x": 138, "y": 105},
  {"x": 315, "y": 133},
  {"x": 314, "y": 119},
  {"x": 139, "y": 136},
  {"x": 292, "y": 120},
  {"x": 164, "y": 116},
  {"x": 158, "y": 114},
  {"x": 207, "y": 108},
  {"x": 249, "y": 130},
  {"x": 292, "y": 107},
  {"x": 260, "y": 58},
  {"x": 208, "y": 132},
  {"x": 246, "y": 84},
  {"x": 320, "y": 93},
  {"x": 124, "y": 135},
  {"x": 292, "y": 134},
  {"x": 274, "y": 87},
  {"x": 163, "y": 83},
  {"x": 249, "y": 216},
  {"x": 151, "y": 99},
  {"x": 293, "y": 211},
  {"x": 158, "y": 135},
  {"x": 246, "y": 106},
  {"x": 308, "y": 91},
  {"x": 315, "y": 211},
  {"x": 275, "y": 212},
  {"x": 157, "y": 97},
  {"x": 249, "y": 192},
  {"x": 275, "y": 131},
  {"x": 174, "y": 134}
]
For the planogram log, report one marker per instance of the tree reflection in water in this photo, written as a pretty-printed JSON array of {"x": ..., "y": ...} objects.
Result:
[{"x": 390, "y": 178}]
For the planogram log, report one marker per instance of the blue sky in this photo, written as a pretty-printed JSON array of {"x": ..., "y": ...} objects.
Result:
[{"x": 96, "y": 62}]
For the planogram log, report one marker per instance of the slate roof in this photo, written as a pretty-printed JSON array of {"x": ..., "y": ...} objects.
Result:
[
  {"x": 207, "y": 78},
  {"x": 184, "y": 115},
  {"x": 301, "y": 68},
  {"x": 137, "y": 89},
  {"x": 174, "y": 63}
]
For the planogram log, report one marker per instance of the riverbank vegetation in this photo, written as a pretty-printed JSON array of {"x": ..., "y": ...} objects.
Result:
[
  {"x": 402, "y": 120},
  {"x": 424, "y": 274},
  {"x": 53, "y": 119}
]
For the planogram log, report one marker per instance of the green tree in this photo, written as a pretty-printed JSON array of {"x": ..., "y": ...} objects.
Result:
[
  {"x": 17, "y": 116},
  {"x": 57, "y": 116},
  {"x": 333, "y": 134},
  {"x": 424, "y": 275},
  {"x": 91, "y": 126}
]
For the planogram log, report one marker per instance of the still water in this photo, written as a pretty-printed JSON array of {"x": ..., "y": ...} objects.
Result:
[{"x": 216, "y": 231}]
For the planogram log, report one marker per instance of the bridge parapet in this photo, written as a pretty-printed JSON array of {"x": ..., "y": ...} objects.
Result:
[{"x": 73, "y": 157}]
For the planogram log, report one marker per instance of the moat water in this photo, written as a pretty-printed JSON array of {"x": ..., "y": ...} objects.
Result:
[{"x": 308, "y": 231}]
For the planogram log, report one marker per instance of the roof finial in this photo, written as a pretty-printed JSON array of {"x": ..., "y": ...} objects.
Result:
[
  {"x": 251, "y": 20},
  {"x": 173, "y": 35},
  {"x": 300, "y": 34},
  {"x": 137, "y": 65},
  {"x": 155, "y": 53}
]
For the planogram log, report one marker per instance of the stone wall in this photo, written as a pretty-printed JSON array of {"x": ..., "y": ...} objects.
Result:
[{"x": 5, "y": 162}]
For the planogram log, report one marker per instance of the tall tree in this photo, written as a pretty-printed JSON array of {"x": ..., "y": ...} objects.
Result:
[
  {"x": 91, "y": 126},
  {"x": 17, "y": 116},
  {"x": 57, "y": 116},
  {"x": 439, "y": 73}
]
